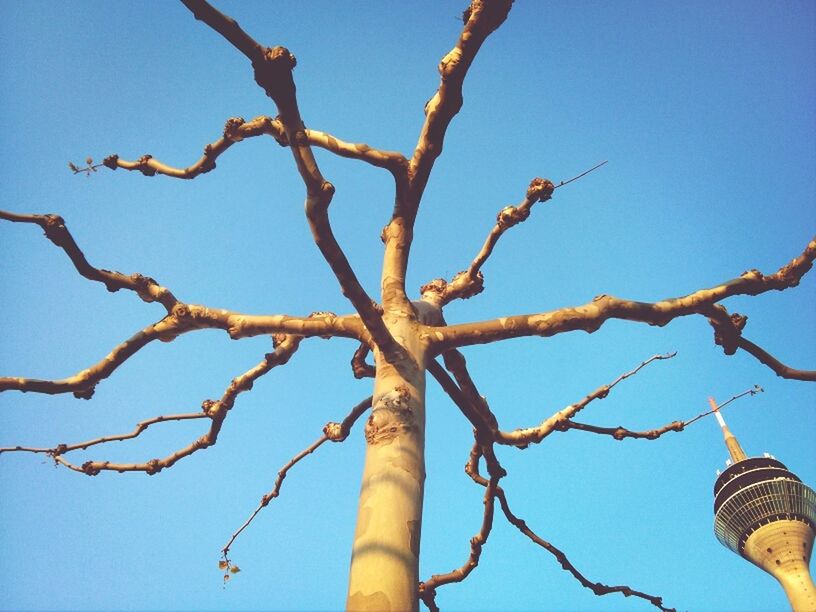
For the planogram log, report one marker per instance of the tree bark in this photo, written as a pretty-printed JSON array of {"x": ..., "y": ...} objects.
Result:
[{"x": 384, "y": 571}]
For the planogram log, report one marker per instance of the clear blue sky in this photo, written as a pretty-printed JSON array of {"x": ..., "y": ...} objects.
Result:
[{"x": 707, "y": 116}]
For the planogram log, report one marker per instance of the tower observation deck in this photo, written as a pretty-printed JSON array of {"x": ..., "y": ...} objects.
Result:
[{"x": 765, "y": 513}]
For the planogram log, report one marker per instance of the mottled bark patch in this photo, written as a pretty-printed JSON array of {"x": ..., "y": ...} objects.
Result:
[
  {"x": 363, "y": 519},
  {"x": 391, "y": 416},
  {"x": 414, "y": 532},
  {"x": 376, "y": 601}
]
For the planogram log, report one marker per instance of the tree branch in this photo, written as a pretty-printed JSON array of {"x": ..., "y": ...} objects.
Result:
[
  {"x": 56, "y": 231},
  {"x": 472, "y": 469},
  {"x": 591, "y": 316},
  {"x": 336, "y": 432},
  {"x": 359, "y": 366},
  {"x": 728, "y": 334},
  {"x": 596, "y": 587},
  {"x": 470, "y": 282},
  {"x": 61, "y": 449},
  {"x": 227, "y": 27},
  {"x": 216, "y": 411},
  {"x": 619, "y": 433},
  {"x": 185, "y": 318},
  {"x": 83, "y": 383},
  {"x": 482, "y": 423},
  {"x": 237, "y": 129},
  {"x": 480, "y": 19},
  {"x": 390, "y": 160},
  {"x": 427, "y": 589},
  {"x": 561, "y": 420},
  {"x": 273, "y": 72}
]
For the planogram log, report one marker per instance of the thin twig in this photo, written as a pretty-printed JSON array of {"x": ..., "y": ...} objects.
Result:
[
  {"x": 427, "y": 588},
  {"x": 57, "y": 232},
  {"x": 596, "y": 587},
  {"x": 216, "y": 411},
  {"x": 533, "y": 435},
  {"x": 584, "y": 173},
  {"x": 61, "y": 449},
  {"x": 753, "y": 391},
  {"x": 472, "y": 470},
  {"x": 274, "y": 492},
  {"x": 334, "y": 432}
]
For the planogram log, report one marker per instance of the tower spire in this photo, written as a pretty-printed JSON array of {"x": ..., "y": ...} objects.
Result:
[{"x": 731, "y": 443}]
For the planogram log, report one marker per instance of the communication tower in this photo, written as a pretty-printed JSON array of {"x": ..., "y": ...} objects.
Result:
[{"x": 765, "y": 513}]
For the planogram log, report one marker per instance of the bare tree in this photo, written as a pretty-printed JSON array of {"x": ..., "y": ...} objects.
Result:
[{"x": 398, "y": 337}]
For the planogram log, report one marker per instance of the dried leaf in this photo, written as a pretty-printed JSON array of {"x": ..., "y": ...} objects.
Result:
[
  {"x": 223, "y": 564},
  {"x": 235, "y": 569},
  {"x": 89, "y": 161}
]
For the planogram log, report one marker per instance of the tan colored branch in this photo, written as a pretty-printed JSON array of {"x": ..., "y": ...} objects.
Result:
[
  {"x": 391, "y": 160},
  {"x": 271, "y": 495},
  {"x": 83, "y": 383},
  {"x": 470, "y": 282},
  {"x": 456, "y": 364},
  {"x": 237, "y": 129},
  {"x": 227, "y": 27},
  {"x": 273, "y": 72},
  {"x": 560, "y": 421},
  {"x": 480, "y": 19},
  {"x": 728, "y": 334},
  {"x": 359, "y": 366},
  {"x": 619, "y": 433},
  {"x": 482, "y": 423},
  {"x": 216, "y": 411},
  {"x": 336, "y": 432},
  {"x": 472, "y": 470},
  {"x": 185, "y": 318},
  {"x": 427, "y": 589},
  {"x": 61, "y": 449},
  {"x": 777, "y": 366},
  {"x": 591, "y": 316},
  {"x": 596, "y": 587},
  {"x": 56, "y": 231}
]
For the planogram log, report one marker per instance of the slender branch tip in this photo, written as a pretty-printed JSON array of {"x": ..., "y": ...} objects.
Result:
[{"x": 584, "y": 173}]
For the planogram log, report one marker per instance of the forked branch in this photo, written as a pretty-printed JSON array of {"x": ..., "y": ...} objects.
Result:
[
  {"x": 427, "y": 588},
  {"x": 185, "y": 318},
  {"x": 273, "y": 72},
  {"x": 237, "y": 129},
  {"x": 591, "y": 316},
  {"x": 216, "y": 411},
  {"x": 728, "y": 334},
  {"x": 470, "y": 282},
  {"x": 596, "y": 587},
  {"x": 561, "y": 420},
  {"x": 57, "y": 232},
  {"x": 472, "y": 469}
]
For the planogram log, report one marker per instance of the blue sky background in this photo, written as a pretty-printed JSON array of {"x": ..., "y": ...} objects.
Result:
[{"x": 707, "y": 116}]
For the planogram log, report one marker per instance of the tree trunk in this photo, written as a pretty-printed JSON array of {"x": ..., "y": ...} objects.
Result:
[{"x": 385, "y": 555}]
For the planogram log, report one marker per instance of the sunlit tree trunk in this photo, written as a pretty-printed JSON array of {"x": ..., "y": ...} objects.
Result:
[{"x": 385, "y": 555}]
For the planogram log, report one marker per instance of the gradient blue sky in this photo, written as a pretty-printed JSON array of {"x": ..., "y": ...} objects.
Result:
[{"x": 707, "y": 116}]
